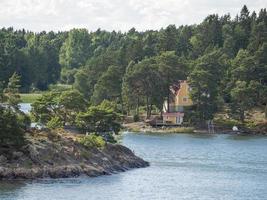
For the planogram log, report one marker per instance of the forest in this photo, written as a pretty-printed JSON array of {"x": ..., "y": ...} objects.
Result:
[{"x": 224, "y": 59}]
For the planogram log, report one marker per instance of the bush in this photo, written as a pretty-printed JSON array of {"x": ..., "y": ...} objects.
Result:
[
  {"x": 55, "y": 122},
  {"x": 24, "y": 120},
  {"x": 136, "y": 118},
  {"x": 92, "y": 141},
  {"x": 67, "y": 76}
]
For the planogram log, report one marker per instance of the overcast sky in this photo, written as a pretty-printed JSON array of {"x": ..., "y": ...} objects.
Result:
[{"x": 38, "y": 15}]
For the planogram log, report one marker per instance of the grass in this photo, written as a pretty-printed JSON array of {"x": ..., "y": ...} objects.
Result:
[
  {"x": 32, "y": 97},
  {"x": 29, "y": 97},
  {"x": 60, "y": 87}
]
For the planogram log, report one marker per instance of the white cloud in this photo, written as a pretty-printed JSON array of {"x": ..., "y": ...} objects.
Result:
[{"x": 38, "y": 15}]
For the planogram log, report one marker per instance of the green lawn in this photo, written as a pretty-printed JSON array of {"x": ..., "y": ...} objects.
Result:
[
  {"x": 29, "y": 97},
  {"x": 60, "y": 87}
]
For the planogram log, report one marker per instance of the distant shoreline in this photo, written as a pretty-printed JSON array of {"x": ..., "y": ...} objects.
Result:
[{"x": 142, "y": 127}]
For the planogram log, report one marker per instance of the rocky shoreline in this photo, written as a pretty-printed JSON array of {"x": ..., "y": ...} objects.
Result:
[
  {"x": 63, "y": 157},
  {"x": 144, "y": 128}
]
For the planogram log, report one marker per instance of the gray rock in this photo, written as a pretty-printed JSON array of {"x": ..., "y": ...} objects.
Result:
[
  {"x": 3, "y": 159},
  {"x": 17, "y": 154},
  {"x": 33, "y": 153}
]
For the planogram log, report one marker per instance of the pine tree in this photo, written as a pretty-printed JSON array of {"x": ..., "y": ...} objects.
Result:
[{"x": 12, "y": 91}]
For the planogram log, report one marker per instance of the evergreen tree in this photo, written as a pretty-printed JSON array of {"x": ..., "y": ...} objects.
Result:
[
  {"x": 12, "y": 91},
  {"x": 76, "y": 49}
]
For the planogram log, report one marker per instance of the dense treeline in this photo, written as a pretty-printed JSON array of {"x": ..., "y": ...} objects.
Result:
[
  {"x": 224, "y": 59},
  {"x": 33, "y": 56}
]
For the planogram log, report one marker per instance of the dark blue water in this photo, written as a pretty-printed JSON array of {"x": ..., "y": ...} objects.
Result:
[{"x": 187, "y": 167}]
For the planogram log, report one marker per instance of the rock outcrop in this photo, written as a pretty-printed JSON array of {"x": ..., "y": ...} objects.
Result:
[{"x": 62, "y": 156}]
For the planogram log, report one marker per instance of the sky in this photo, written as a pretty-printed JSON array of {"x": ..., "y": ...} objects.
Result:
[{"x": 39, "y": 15}]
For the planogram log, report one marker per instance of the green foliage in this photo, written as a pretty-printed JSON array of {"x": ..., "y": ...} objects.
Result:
[
  {"x": 54, "y": 122},
  {"x": 76, "y": 49},
  {"x": 33, "y": 56},
  {"x": 168, "y": 39},
  {"x": 23, "y": 120},
  {"x": 53, "y": 105},
  {"x": 67, "y": 76},
  {"x": 242, "y": 98},
  {"x": 44, "y": 108},
  {"x": 70, "y": 103},
  {"x": 59, "y": 87},
  {"x": 11, "y": 128},
  {"x": 2, "y": 96},
  {"x": 204, "y": 81},
  {"x": 99, "y": 119},
  {"x": 144, "y": 81},
  {"x": 29, "y": 97},
  {"x": 136, "y": 118},
  {"x": 248, "y": 85},
  {"x": 92, "y": 141},
  {"x": 83, "y": 83},
  {"x": 12, "y": 91},
  {"x": 228, "y": 123},
  {"x": 135, "y": 68},
  {"x": 13, "y": 122},
  {"x": 108, "y": 86}
]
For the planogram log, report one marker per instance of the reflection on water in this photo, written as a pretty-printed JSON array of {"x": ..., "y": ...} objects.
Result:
[
  {"x": 6, "y": 186},
  {"x": 11, "y": 189},
  {"x": 246, "y": 137},
  {"x": 203, "y": 167},
  {"x": 202, "y": 135}
]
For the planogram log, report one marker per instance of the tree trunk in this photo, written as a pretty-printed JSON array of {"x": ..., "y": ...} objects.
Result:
[
  {"x": 128, "y": 110},
  {"x": 147, "y": 108},
  {"x": 242, "y": 116},
  {"x": 137, "y": 107},
  {"x": 122, "y": 107},
  {"x": 168, "y": 101},
  {"x": 150, "y": 110}
]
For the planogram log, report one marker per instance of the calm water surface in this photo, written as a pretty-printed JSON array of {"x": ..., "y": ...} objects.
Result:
[{"x": 185, "y": 167}]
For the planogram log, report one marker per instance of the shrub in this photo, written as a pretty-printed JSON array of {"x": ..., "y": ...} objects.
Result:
[
  {"x": 55, "y": 122},
  {"x": 53, "y": 136},
  {"x": 92, "y": 141},
  {"x": 136, "y": 118}
]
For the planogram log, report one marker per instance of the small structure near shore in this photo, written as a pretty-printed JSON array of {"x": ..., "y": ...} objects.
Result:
[{"x": 173, "y": 108}]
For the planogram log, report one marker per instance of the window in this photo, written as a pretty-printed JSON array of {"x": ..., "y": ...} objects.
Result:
[{"x": 184, "y": 99}]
